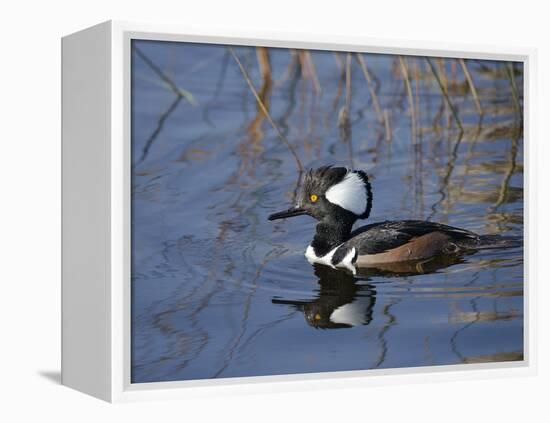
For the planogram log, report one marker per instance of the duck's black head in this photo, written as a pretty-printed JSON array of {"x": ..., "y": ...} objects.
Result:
[{"x": 332, "y": 193}]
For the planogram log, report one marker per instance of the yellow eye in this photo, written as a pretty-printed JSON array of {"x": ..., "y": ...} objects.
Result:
[{"x": 313, "y": 198}]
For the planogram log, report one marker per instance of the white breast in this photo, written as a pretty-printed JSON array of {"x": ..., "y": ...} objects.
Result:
[
  {"x": 327, "y": 258},
  {"x": 314, "y": 258}
]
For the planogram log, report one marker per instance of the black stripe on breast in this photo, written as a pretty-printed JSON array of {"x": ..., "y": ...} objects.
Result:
[{"x": 340, "y": 253}]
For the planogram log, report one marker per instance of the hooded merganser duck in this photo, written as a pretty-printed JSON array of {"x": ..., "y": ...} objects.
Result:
[{"x": 337, "y": 197}]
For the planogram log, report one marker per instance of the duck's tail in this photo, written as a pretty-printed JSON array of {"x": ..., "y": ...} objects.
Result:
[{"x": 487, "y": 242}]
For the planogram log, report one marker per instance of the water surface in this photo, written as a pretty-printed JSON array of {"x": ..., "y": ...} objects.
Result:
[{"x": 218, "y": 291}]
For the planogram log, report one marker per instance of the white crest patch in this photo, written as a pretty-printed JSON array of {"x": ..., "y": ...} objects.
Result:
[{"x": 350, "y": 194}]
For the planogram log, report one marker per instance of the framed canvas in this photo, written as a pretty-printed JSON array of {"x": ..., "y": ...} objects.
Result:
[{"x": 188, "y": 155}]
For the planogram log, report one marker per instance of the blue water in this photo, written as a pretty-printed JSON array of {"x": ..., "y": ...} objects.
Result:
[{"x": 218, "y": 291}]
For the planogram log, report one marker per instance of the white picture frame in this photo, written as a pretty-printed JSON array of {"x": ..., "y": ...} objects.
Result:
[{"x": 96, "y": 213}]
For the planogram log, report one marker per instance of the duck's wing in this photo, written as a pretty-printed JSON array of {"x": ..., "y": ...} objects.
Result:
[{"x": 383, "y": 236}]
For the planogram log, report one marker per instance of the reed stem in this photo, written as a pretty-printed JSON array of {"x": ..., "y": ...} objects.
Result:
[
  {"x": 445, "y": 94},
  {"x": 405, "y": 73},
  {"x": 370, "y": 84},
  {"x": 510, "y": 72},
  {"x": 265, "y": 111},
  {"x": 387, "y": 126},
  {"x": 471, "y": 85},
  {"x": 171, "y": 84}
]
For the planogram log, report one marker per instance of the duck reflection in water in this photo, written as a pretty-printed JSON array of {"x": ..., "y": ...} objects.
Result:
[
  {"x": 341, "y": 301},
  {"x": 345, "y": 300}
]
